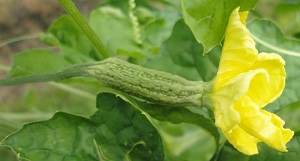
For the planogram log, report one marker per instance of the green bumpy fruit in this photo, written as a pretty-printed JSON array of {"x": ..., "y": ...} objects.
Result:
[{"x": 152, "y": 85}]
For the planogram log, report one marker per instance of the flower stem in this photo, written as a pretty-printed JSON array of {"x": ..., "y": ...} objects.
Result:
[{"x": 72, "y": 10}]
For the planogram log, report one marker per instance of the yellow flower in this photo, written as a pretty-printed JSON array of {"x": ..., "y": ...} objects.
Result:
[{"x": 247, "y": 81}]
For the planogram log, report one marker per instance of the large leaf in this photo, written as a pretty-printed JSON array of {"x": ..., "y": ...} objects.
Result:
[
  {"x": 283, "y": 13},
  {"x": 208, "y": 19},
  {"x": 269, "y": 38},
  {"x": 181, "y": 55},
  {"x": 37, "y": 61},
  {"x": 157, "y": 27},
  {"x": 65, "y": 34},
  {"x": 123, "y": 132},
  {"x": 117, "y": 131},
  {"x": 114, "y": 28},
  {"x": 64, "y": 137},
  {"x": 179, "y": 115},
  {"x": 196, "y": 136},
  {"x": 192, "y": 143},
  {"x": 286, "y": 12},
  {"x": 291, "y": 115},
  {"x": 229, "y": 153},
  {"x": 121, "y": 35}
]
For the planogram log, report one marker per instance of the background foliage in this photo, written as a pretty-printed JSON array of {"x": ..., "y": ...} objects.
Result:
[{"x": 163, "y": 39}]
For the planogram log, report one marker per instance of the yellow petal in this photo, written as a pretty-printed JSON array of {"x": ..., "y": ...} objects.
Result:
[
  {"x": 263, "y": 125},
  {"x": 264, "y": 92},
  {"x": 287, "y": 133},
  {"x": 226, "y": 117},
  {"x": 239, "y": 52},
  {"x": 242, "y": 141}
]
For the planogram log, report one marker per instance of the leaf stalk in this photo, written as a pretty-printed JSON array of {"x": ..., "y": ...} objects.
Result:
[{"x": 72, "y": 10}]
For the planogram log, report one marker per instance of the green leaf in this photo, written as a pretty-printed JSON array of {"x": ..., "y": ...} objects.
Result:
[
  {"x": 208, "y": 19},
  {"x": 64, "y": 137},
  {"x": 157, "y": 26},
  {"x": 74, "y": 57},
  {"x": 181, "y": 55},
  {"x": 246, "y": 5},
  {"x": 114, "y": 26},
  {"x": 229, "y": 153},
  {"x": 179, "y": 115},
  {"x": 283, "y": 13},
  {"x": 291, "y": 115},
  {"x": 37, "y": 61},
  {"x": 192, "y": 143},
  {"x": 286, "y": 17},
  {"x": 269, "y": 38},
  {"x": 72, "y": 40},
  {"x": 123, "y": 132},
  {"x": 117, "y": 131}
]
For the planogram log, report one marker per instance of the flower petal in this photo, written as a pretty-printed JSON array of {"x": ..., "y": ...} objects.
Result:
[
  {"x": 239, "y": 52},
  {"x": 242, "y": 141},
  {"x": 225, "y": 98},
  {"x": 263, "y": 125},
  {"x": 264, "y": 92}
]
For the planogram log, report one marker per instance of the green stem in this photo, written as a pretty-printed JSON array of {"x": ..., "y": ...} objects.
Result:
[
  {"x": 20, "y": 38},
  {"x": 73, "y": 71},
  {"x": 152, "y": 85},
  {"x": 274, "y": 47},
  {"x": 57, "y": 85},
  {"x": 72, "y": 10}
]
